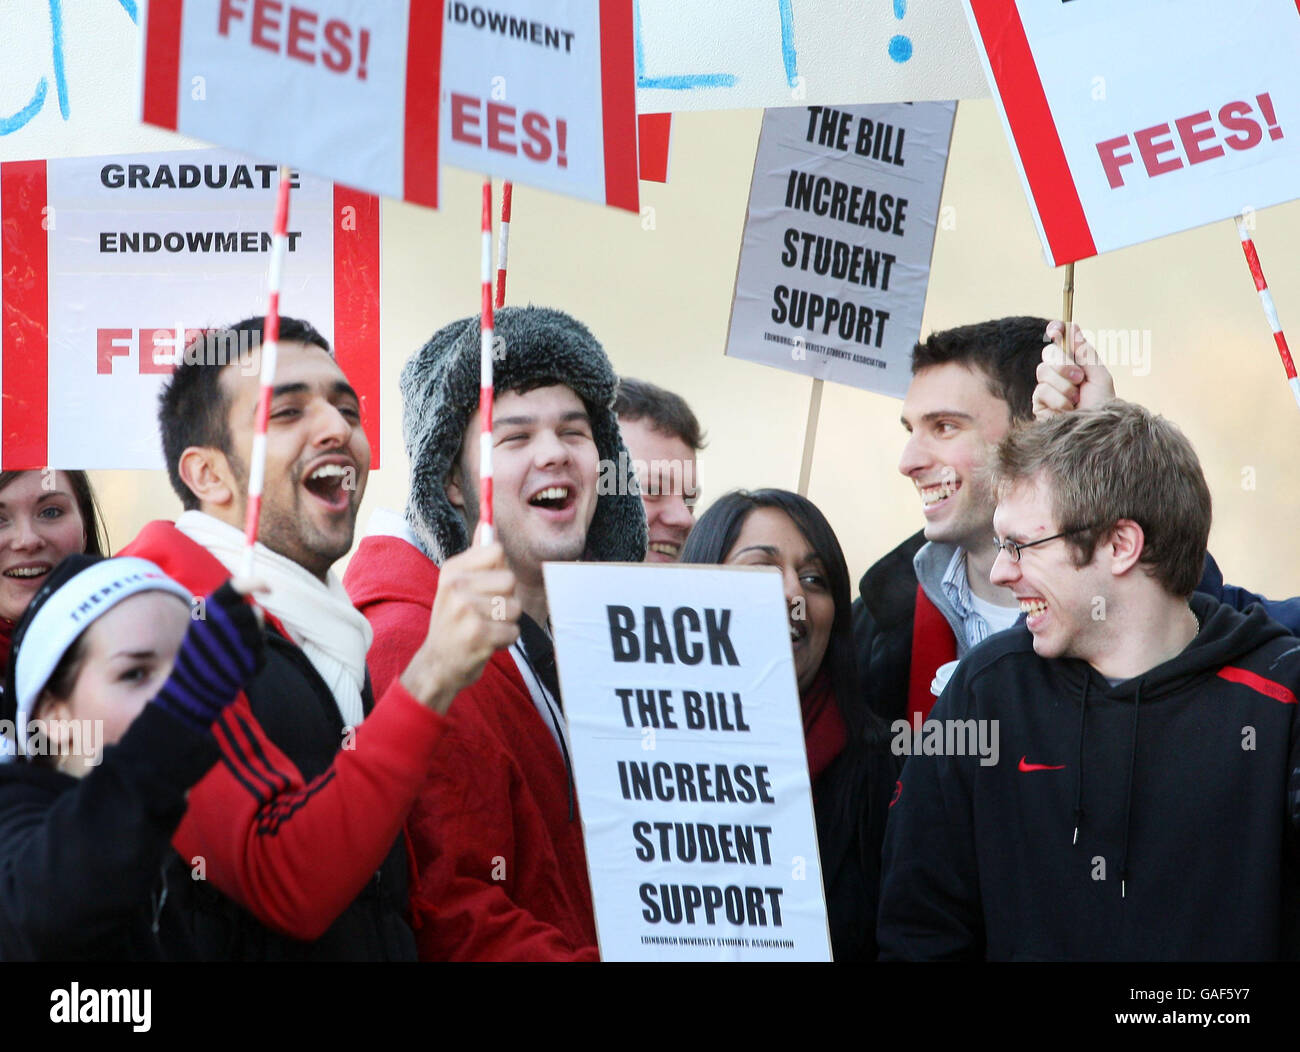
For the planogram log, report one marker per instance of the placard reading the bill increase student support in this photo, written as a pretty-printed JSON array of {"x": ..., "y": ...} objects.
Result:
[
  {"x": 835, "y": 259},
  {"x": 688, "y": 752}
]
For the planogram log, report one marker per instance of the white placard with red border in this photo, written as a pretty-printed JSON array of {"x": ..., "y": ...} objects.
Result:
[
  {"x": 754, "y": 54},
  {"x": 835, "y": 259},
  {"x": 543, "y": 94},
  {"x": 684, "y": 725},
  {"x": 346, "y": 89},
  {"x": 1130, "y": 121},
  {"x": 105, "y": 259}
]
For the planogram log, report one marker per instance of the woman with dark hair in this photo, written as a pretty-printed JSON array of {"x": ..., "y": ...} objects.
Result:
[
  {"x": 113, "y": 688},
  {"x": 852, "y": 770},
  {"x": 44, "y": 516}
]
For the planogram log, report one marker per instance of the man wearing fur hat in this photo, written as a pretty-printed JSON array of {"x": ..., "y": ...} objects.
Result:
[{"x": 496, "y": 835}]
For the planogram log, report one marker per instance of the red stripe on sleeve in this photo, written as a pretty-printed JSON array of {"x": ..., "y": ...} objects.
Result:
[
  {"x": 24, "y": 285},
  {"x": 1037, "y": 142},
  {"x": 423, "y": 66},
  {"x": 356, "y": 303},
  {"x": 162, "y": 62},
  {"x": 1258, "y": 683},
  {"x": 618, "y": 104}
]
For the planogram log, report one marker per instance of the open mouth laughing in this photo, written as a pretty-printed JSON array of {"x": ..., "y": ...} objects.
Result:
[
  {"x": 556, "y": 501},
  {"x": 1034, "y": 609},
  {"x": 933, "y": 494},
  {"x": 28, "y": 572},
  {"x": 329, "y": 483}
]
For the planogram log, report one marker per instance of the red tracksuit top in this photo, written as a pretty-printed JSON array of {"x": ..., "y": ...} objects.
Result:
[
  {"x": 502, "y": 868},
  {"x": 332, "y": 833}
]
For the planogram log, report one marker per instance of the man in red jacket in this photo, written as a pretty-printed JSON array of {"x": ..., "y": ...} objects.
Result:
[
  {"x": 296, "y": 834},
  {"x": 496, "y": 835}
]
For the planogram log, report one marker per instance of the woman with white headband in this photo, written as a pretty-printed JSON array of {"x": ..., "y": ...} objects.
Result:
[{"x": 112, "y": 689}]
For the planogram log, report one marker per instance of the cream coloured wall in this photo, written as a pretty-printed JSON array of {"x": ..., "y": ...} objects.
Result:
[{"x": 659, "y": 299}]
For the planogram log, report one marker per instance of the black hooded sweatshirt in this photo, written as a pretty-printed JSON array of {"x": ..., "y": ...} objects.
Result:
[{"x": 1152, "y": 820}]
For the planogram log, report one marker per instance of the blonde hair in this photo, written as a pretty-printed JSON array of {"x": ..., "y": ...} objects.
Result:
[{"x": 1119, "y": 461}]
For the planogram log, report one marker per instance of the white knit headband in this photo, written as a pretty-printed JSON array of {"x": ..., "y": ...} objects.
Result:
[{"x": 72, "y": 609}]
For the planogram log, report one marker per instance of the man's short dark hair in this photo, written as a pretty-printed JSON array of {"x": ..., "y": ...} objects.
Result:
[
  {"x": 1006, "y": 350},
  {"x": 192, "y": 408},
  {"x": 667, "y": 412}
]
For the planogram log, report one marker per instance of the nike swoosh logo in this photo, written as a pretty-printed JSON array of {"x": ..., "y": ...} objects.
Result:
[
  {"x": 1040, "y": 766},
  {"x": 898, "y": 791}
]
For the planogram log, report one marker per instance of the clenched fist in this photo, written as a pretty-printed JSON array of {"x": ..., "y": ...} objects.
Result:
[{"x": 475, "y": 613}]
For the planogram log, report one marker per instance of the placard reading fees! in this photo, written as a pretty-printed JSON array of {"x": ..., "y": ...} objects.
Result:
[
  {"x": 688, "y": 752},
  {"x": 543, "y": 94},
  {"x": 1130, "y": 121},
  {"x": 835, "y": 259}
]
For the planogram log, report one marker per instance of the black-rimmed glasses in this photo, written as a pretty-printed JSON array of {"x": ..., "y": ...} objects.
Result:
[{"x": 1014, "y": 549}]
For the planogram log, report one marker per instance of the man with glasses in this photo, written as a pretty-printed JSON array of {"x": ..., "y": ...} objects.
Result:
[
  {"x": 930, "y": 600},
  {"x": 1144, "y": 806}
]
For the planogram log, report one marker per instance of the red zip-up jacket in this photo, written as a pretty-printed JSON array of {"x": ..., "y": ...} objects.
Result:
[
  {"x": 502, "y": 866},
  {"x": 294, "y": 852}
]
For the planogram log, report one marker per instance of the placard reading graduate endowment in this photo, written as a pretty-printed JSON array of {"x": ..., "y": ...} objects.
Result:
[
  {"x": 835, "y": 259},
  {"x": 688, "y": 752},
  {"x": 110, "y": 267}
]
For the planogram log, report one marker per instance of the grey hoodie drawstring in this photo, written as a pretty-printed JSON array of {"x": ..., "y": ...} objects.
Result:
[
  {"x": 1078, "y": 775},
  {"x": 1128, "y": 802}
]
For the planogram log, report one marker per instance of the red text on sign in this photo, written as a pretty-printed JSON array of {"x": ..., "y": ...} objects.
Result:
[
  {"x": 156, "y": 348},
  {"x": 1202, "y": 137},
  {"x": 299, "y": 33},
  {"x": 504, "y": 129}
]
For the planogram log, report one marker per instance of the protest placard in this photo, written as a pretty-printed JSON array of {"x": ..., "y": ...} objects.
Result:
[
  {"x": 836, "y": 253},
  {"x": 259, "y": 76},
  {"x": 71, "y": 82},
  {"x": 751, "y": 54},
  {"x": 543, "y": 94},
  {"x": 1132, "y": 121},
  {"x": 689, "y": 758},
  {"x": 107, "y": 260}
]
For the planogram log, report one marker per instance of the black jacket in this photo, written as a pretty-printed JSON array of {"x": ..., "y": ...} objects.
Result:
[
  {"x": 82, "y": 860},
  {"x": 882, "y": 628},
  {"x": 295, "y": 708},
  {"x": 850, "y": 805},
  {"x": 1181, "y": 783},
  {"x": 885, "y": 610}
]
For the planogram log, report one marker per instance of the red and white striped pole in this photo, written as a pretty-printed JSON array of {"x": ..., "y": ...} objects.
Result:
[
  {"x": 503, "y": 242},
  {"x": 485, "y": 376},
  {"x": 270, "y": 349},
  {"x": 1270, "y": 311}
]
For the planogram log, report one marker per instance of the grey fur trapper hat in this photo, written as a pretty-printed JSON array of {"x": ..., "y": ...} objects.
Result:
[{"x": 440, "y": 392}]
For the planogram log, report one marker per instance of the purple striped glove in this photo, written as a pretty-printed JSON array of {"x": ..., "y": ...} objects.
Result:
[{"x": 219, "y": 654}]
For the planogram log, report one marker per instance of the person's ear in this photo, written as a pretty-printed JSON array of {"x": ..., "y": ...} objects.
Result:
[
  {"x": 454, "y": 488},
  {"x": 56, "y": 715},
  {"x": 1126, "y": 543},
  {"x": 206, "y": 471}
]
